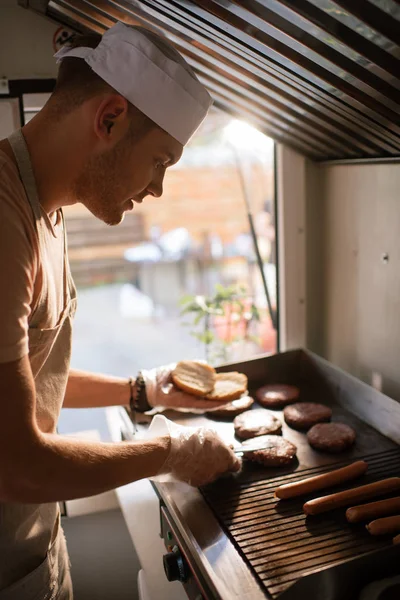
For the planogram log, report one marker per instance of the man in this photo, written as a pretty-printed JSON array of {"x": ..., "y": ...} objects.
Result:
[{"x": 121, "y": 113}]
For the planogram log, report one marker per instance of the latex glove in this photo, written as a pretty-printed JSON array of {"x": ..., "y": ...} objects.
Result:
[
  {"x": 197, "y": 455},
  {"x": 161, "y": 392}
]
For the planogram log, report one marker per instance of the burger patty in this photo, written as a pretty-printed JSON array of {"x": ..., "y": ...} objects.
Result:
[
  {"x": 331, "y": 437},
  {"x": 277, "y": 452},
  {"x": 255, "y": 423},
  {"x": 232, "y": 409},
  {"x": 303, "y": 415},
  {"x": 277, "y": 395}
]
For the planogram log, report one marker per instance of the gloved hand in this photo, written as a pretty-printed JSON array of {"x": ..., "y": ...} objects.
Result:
[
  {"x": 197, "y": 455},
  {"x": 161, "y": 392}
]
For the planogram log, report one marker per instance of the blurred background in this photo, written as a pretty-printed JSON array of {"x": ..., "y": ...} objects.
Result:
[{"x": 131, "y": 278}]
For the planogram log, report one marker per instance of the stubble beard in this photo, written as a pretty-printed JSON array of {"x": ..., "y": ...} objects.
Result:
[{"x": 98, "y": 187}]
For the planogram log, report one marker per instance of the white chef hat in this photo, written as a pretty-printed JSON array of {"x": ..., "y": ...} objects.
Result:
[{"x": 164, "y": 89}]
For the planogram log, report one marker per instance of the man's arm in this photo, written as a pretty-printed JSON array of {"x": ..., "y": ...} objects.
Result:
[
  {"x": 36, "y": 466},
  {"x": 40, "y": 467},
  {"x": 91, "y": 390}
]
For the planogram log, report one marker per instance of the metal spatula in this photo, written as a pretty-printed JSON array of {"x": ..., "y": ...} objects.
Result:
[{"x": 240, "y": 450}]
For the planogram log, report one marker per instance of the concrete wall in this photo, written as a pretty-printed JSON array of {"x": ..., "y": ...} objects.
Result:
[
  {"x": 9, "y": 116},
  {"x": 26, "y": 43},
  {"x": 353, "y": 220}
]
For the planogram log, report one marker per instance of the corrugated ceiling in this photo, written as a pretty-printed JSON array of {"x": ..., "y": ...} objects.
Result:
[{"x": 318, "y": 75}]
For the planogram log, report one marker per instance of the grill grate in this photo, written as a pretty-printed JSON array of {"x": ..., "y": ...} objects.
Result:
[{"x": 276, "y": 539}]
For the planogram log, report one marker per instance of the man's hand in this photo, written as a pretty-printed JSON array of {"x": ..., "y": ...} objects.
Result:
[
  {"x": 161, "y": 391},
  {"x": 197, "y": 456}
]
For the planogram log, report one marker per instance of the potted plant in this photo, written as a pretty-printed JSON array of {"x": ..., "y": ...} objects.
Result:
[{"x": 222, "y": 322}]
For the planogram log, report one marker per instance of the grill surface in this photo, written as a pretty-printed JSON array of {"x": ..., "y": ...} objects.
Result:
[
  {"x": 276, "y": 539},
  {"x": 243, "y": 544}
]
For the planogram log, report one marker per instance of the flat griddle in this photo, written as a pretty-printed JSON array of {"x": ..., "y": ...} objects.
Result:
[
  {"x": 277, "y": 540},
  {"x": 274, "y": 550}
]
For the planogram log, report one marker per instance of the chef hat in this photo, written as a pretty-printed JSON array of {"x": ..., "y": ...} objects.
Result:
[{"x": 163, "y": 88}]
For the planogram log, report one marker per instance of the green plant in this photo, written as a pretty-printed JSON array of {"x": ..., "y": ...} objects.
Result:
[{"x": 221, "y": 320}]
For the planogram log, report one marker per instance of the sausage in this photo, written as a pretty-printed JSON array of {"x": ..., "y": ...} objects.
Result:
[
  {"x": 358, "y": 494},
  {"x": 396, "y": 539},
  {"x": 318, "y": 482},
  {"x": 373, "y": 510},
  {"x": 385, "y": 525}
]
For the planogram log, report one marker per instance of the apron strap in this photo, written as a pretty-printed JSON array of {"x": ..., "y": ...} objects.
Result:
[
  {"x": 69, "y": 286},
  {"x": 21, "y": 153}
]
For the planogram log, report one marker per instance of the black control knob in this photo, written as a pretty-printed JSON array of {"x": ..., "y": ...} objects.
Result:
[{"x": 175, "y": 566}]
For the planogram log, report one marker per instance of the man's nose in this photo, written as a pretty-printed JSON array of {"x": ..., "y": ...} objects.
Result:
[{"x": 156, "y": 187}]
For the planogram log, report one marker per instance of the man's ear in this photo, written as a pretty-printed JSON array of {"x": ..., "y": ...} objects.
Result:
[{"x": 111, "y": 119}]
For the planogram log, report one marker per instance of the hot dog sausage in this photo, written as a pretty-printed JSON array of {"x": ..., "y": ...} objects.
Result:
[
  {"x": 385, "y": 525},
  {"x": 318, "y": 482},
  {"x": 358, "y": 494},
  {"x": 373, "y": 510}
]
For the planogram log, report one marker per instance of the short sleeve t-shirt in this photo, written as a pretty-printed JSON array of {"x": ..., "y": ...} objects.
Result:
[{"x": 23, "y": 268}]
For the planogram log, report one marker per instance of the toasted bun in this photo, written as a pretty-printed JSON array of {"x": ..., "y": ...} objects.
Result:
[
  {"x": 228, "y": 386},
  {"x": 194, "y": 377}
]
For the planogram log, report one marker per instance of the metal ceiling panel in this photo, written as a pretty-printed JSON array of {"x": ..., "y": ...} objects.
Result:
[{"x": 318, "y": 75}]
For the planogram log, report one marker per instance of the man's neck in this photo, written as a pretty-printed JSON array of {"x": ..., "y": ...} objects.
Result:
[{"x": 56, "y": 157}]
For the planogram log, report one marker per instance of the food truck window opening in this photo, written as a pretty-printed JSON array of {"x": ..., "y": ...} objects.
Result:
[{"x": 215, "y": 224}]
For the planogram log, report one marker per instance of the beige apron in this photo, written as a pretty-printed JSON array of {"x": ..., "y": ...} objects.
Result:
[{"x": 33, "y": 557}]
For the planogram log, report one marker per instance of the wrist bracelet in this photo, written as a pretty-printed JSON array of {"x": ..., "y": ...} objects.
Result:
[
  {"x": 132, "y": 407},
  {"x": 138, "y": 402},
  {"x": 131, "y": 395}
]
